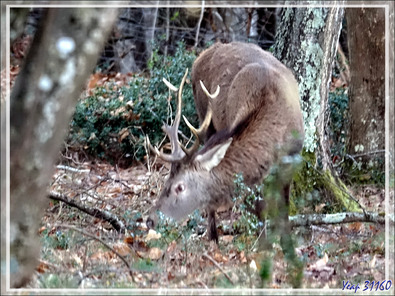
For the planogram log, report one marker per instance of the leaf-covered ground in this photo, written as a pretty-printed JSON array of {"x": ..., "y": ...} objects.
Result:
[{"x": 81, "y": 251}]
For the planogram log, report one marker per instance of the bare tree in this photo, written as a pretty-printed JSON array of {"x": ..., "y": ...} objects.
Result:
[{"x": 63, "y": 54}]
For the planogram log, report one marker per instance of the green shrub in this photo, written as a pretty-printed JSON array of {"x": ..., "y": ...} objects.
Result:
[{"x": 112, "y": 123}]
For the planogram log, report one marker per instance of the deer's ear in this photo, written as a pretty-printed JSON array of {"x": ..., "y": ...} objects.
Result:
[{"x": 212, "y": 157}]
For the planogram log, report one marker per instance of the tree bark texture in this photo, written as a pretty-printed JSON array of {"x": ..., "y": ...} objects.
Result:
[
  {"x": 366, "y": 43},
  {"x": 306, "y": 42},
  {"x": 62, "y": 56}
]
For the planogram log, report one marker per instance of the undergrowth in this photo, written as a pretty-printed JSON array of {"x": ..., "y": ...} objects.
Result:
[{"x": 112, "y": 123}]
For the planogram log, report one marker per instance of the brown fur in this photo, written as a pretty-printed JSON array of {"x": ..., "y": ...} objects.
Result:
[{"x": 258, "y": 106}]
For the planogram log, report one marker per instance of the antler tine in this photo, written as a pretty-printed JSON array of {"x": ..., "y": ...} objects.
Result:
[
  {"x": 212, "y": 96},
  {"x": 177, "y": 152},
  {"x": 155, "y": 150},
  {"x": 199, "y": 133},
  {"x": 172, "y": 131},
  {"x": 169, "y": 85},
  {"x": 179, "y": 102}
]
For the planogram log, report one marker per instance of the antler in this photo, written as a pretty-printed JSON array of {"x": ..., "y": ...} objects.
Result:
[
  {"x": 178, "y": 150},
  {"x": 199, "y": 133}
]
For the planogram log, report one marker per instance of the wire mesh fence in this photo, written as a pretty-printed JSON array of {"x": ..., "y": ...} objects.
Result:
[{"x": 140, "y": 30}]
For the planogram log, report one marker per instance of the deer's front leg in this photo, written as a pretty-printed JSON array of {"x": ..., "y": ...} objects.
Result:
[{"x": 212, "y": 226}]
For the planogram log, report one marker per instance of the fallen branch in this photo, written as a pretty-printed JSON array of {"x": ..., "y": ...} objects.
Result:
[
  {"x": 218, "y": 266},
  {"x": 324, "y": 219},
  {"x": 71, "y": 169},
  {"x": 97, "y": 213},
  {"x": 347, "y": 217}
]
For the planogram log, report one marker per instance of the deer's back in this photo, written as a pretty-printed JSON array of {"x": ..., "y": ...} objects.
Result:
[
  {"x": 244, "y": 72},
  {"x": 258, "y": 102}
]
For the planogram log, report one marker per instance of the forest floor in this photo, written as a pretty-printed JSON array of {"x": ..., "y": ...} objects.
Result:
[{"x": 81, "y": 251}]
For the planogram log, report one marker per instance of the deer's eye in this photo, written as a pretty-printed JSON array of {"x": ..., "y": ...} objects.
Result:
[{"x": 180, "y": 188}]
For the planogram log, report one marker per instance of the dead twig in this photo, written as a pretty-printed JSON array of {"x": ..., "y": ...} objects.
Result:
[
  {"x": 203, "y": 284},
  {"x": 103, "y": 242},
  {"x": 218, "y": 266},
  {"x": 50, "y": 265}
]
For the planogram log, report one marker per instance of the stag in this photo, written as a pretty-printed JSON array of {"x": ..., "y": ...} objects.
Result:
[{"x": 250, "y": 121}]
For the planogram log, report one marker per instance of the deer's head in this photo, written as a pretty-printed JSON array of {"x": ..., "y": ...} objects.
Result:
[{"x": 190, "y": 184}]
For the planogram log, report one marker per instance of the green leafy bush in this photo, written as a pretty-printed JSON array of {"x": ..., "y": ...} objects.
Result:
[{"x": 112, "y": 123}]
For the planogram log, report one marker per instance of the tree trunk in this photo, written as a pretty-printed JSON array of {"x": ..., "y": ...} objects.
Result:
[
  {"x": 306, "y": 42},
  {"x": 366, "y": 43},
  {"x": 308, "y": 49},
  {"x": 62, "y": 56}
]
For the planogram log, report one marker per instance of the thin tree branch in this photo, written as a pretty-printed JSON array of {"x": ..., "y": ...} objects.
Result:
[
  {"x": 167, "y": 28},
  {"x": 327, "y": 219},
  {"x": 199, "y": 24}
]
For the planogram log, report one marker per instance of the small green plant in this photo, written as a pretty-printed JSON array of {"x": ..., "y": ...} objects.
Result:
[
  {"x": 171, "y": 230},
  {"x": 55, "y": 281},
  {"x": 266, "y": 270},
  {"x": 145, "y": 265},
  {"x": 58, "y": 240},
  {"x": 111, "y": 124}
]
